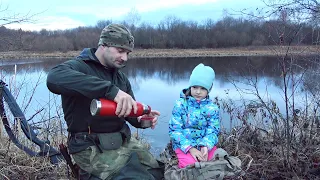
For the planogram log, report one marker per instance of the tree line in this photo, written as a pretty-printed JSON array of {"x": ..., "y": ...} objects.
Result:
[{"x": 172, "y": 32}]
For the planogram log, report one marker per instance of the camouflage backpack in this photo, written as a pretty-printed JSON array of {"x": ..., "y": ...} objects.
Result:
[{"x": 222, "y": 165}]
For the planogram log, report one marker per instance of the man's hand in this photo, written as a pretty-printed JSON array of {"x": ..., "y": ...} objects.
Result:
[
  {"x": 204, "y": 151},
  {"x": 153, "y": 114},
  {"x": 196, "y": 154},
  {"x": 125, "y": 103}
]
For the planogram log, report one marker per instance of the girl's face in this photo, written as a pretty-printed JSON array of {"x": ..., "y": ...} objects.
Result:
[{"x": 199, "y": 92}]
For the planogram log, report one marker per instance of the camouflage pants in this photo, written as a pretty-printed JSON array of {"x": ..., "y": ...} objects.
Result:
[{"x": 107, "y": 164}]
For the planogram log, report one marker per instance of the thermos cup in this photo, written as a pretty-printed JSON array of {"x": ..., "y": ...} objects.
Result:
[{"x": 105, "y": 107}]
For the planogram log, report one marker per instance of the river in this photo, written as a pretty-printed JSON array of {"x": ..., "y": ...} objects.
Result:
[{"x": 156, "y": 82}]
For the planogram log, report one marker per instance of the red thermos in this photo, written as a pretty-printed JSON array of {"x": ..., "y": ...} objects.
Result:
[{"x": 105, "y": 107}]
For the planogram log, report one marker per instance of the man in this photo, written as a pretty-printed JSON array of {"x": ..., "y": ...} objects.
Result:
[{"x": 102, "y": 146}]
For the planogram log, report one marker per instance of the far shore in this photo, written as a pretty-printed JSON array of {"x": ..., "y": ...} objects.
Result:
[{"x": 166, "y": 53}]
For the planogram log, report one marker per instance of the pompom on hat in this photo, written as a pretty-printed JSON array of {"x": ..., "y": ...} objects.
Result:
[{"x": 202, "y": 76}]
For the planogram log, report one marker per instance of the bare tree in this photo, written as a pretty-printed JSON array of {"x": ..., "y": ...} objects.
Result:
[
  {"x": 12, "y": 39},
  {"x": 6, "y": 18},
  {"x": 294, "y": 129}
]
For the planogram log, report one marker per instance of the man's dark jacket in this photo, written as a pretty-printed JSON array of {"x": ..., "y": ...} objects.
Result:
[{"x": 81, "y": 80}]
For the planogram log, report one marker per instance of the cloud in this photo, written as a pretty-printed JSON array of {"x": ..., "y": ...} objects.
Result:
[
  {"x": 116, "y": 10},
  {"x": 146, "y": 6},
  {"x": 105, "y": 12},
  {"x": 60, "y": 14},
  {"x": 48, "y": 23}
]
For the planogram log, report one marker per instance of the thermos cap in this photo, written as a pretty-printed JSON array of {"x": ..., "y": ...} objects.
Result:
[
  {"x": 95, "y": 107},
  {"x": 146, "y": 109},
  {"x": 146, "y": 121}
]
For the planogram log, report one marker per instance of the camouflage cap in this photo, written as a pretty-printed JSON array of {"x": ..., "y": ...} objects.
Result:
[{"x": 117, "y": 35}]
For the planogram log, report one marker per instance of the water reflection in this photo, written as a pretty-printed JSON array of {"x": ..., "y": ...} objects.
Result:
[
  {"x": 170, "y": 69},
  {"x": 156, "y": 82}
]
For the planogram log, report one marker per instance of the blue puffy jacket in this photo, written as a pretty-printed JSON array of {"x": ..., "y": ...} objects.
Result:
[{"x": 194, "y": 123}]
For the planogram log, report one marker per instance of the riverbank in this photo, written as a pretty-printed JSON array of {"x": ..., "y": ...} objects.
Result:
[{"x": 163, "y": 53}]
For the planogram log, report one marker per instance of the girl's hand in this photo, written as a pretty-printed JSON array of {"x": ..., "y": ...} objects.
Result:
[
  {"x": 204, "y": 151},
  {"x": 196, "y": 154}
]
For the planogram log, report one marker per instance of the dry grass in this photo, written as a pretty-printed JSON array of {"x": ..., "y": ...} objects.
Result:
[
  {"x": 205, "y": 52},
  {"x": 260, "y": 152},
  {"x": 16, "y": 164},
  {"x": 261, "y": 156}
]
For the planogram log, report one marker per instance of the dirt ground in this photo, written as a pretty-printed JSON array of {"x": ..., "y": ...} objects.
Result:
[{"x": 152, "y": 53}]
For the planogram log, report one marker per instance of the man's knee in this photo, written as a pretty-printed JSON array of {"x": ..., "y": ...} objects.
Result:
[
  {"x": 83, "y": 175},
  {"x": 134, "y": 170}
]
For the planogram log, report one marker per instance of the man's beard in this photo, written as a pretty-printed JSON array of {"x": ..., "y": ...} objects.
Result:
[{"x": 122, "y": 65}]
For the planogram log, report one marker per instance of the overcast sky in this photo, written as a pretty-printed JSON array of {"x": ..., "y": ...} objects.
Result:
[{"x": 66, "y": 14}]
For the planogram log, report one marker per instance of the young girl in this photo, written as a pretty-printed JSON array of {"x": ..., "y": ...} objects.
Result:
[{"x": 194, "y": 125}]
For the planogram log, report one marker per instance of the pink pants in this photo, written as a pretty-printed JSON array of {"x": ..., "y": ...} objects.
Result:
[{"x": 187, "y": 159}]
